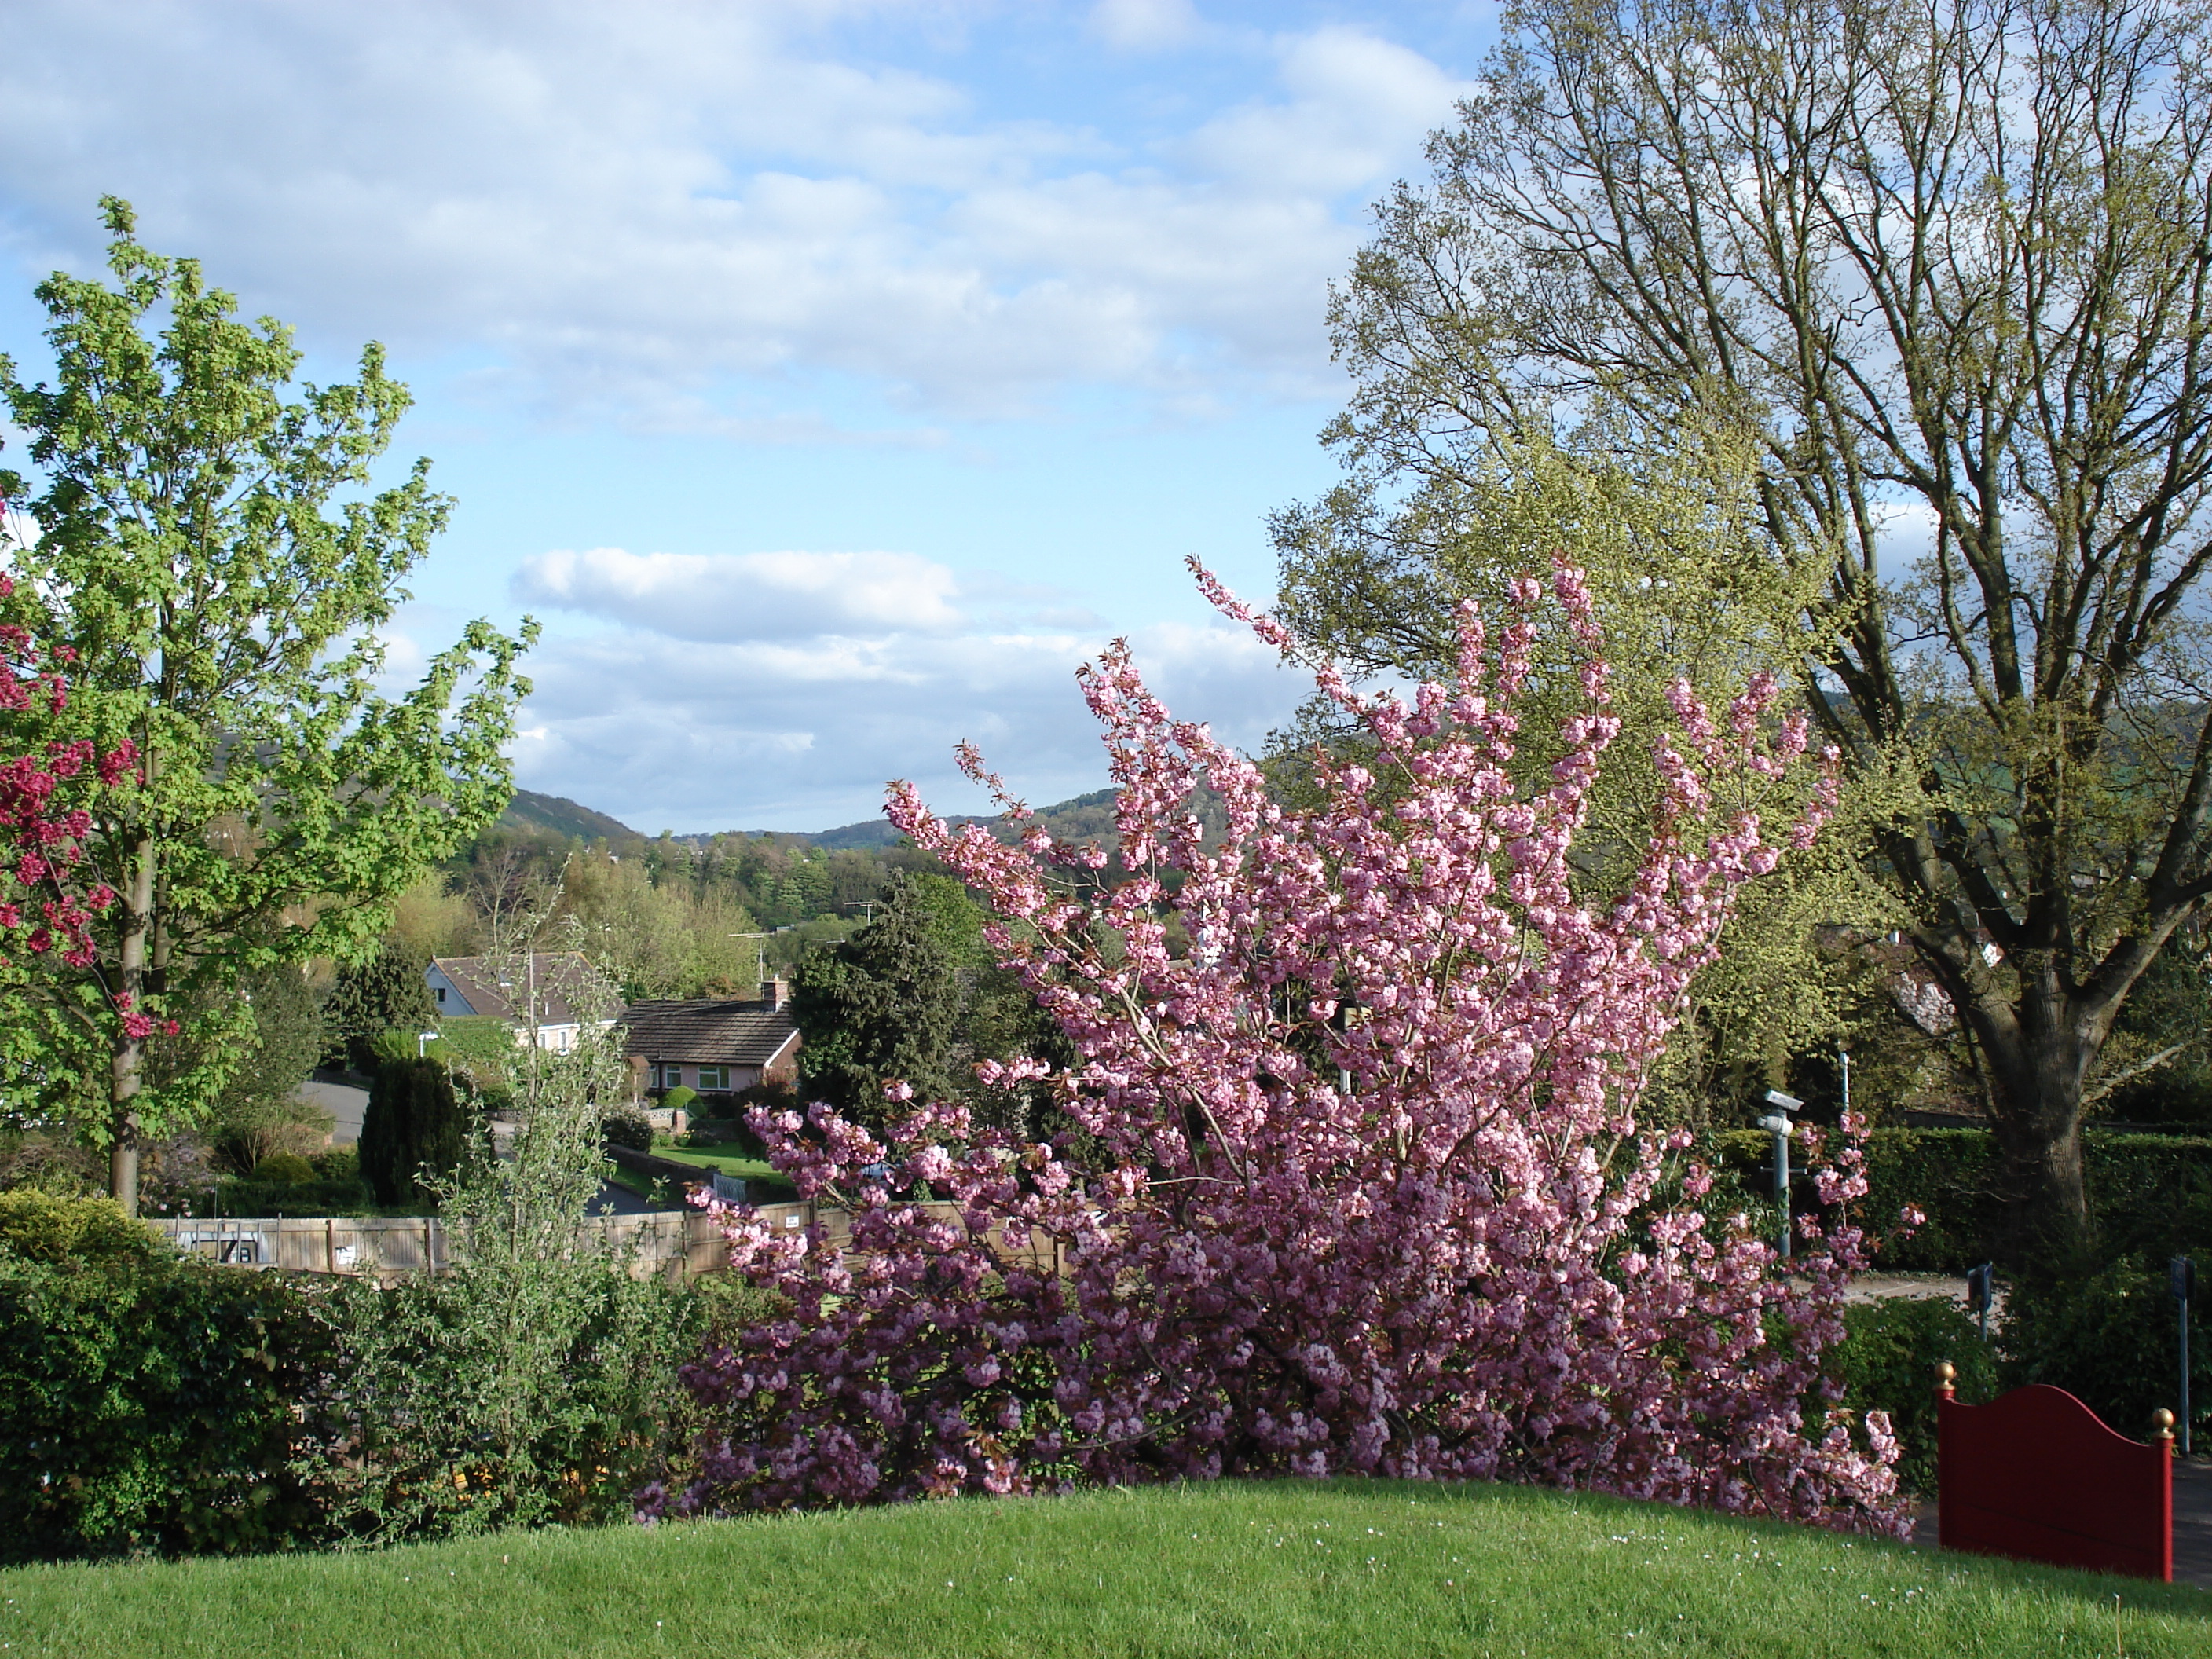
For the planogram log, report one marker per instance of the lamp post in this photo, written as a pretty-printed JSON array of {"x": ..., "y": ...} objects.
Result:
[
  {"x": 2182, "y": 1281},
  {"x": 1776, "y": 1123}
]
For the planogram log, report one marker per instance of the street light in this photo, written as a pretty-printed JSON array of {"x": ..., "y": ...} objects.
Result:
[{"x": 1776, "y": 1123}]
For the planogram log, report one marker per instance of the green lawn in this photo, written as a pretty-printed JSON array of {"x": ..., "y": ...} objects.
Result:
[
  {"x": 1373, "y": 1569},
  {"x": 730, "y": 1162}
]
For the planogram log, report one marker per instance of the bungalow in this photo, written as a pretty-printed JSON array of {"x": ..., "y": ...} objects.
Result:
[
  {"x": 715, "y": 1046},
  {"x": 559, "y": 984}
]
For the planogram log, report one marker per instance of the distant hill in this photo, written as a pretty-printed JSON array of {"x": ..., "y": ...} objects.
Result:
[
  {"x": 1084, "y": 817},
  {"x": 564, "y": 818}
]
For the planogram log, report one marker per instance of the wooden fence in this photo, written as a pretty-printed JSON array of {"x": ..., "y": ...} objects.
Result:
[{"x": 679, "y": 1244}]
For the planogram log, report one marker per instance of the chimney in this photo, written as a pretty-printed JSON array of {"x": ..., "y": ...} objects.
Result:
[{"x": 775, "y": 992}]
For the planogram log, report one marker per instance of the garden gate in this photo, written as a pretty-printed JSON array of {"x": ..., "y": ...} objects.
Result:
[{"x": 2036, "y": 1475}]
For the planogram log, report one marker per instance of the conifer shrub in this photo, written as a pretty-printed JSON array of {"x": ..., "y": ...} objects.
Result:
[{"x": 414, "y": 1126}]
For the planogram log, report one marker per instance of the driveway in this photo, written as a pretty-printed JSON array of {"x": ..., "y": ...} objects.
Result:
[{"x": 343, "y": 1101}]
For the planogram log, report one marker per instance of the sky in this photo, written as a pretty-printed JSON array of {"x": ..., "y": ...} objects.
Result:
[{"x": 829, "y": 379}]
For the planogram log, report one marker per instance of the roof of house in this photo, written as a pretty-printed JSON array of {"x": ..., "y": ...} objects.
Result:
[
  {"x": 562, "y": 978},
  {"x": 714, "y": 1032}
]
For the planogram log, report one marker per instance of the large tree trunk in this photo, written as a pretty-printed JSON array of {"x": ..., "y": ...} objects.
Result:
[{"x": 2036, "y": 1048}]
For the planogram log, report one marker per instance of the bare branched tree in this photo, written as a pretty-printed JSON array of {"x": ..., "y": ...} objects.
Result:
[{"x": 1945, "y": 266}]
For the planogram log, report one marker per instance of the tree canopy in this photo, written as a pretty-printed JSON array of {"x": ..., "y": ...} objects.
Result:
[
  {"x": 1944, "y": 273},
  {"x": 222, "y": 563}
]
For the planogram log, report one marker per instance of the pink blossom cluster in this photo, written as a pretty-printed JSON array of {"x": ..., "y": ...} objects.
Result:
[
  {"x": 50, "y": 911},
  {"x": 1360, "y": 1185}
]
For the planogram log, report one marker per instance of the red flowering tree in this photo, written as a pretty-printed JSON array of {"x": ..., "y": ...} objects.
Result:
[
  {"x": 46, "y": 798},
  {"x": 1362, "y": 1186}
]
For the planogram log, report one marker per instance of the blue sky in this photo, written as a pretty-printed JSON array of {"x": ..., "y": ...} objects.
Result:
[{"x": 830, "y": 379}]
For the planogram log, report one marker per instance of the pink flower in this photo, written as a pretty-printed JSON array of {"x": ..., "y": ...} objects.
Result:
[{"x": 1466, "y": 1264}]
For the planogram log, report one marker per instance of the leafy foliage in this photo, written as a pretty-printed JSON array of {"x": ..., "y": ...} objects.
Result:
[
  {"x": 883, "y": 1005},
  {"x": 1886, "y": 1362},
  {"x": 2107, "y": 1334},
  {"x": 221, "y": 563},
  {"x": 383, "y": 991},
  {"x": 1366, "y": 1189},
  {"x": 1887, "y": 255},
  {"x": 532, "y": 1380},
  {"x": 155, "y": 1403}
]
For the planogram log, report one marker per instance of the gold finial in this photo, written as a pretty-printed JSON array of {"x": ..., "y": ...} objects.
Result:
[
  {"x": 2163, "y": 1419},
  {"x": 1946, "y": 1374}
]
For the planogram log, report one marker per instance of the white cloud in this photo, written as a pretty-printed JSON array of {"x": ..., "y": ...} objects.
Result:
[
  {"x": 1144, "y": 25},
  {"x": 727, "y": 597},
  {"x": 631, "y": 208},
  {"x": 804, "y": 733}
]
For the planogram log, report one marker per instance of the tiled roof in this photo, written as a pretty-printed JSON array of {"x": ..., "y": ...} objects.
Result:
[
  {"x": 560, "y": 975},
  {"x": 710, "y": 1032}
]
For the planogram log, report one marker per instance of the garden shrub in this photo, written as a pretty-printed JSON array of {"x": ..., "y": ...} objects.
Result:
[
  {"x": 288, "y": 1168},
  {"x": 2107, "y": 1334},
  {"x": 157, "y": 1404},
  {"x": 680, "y": 1098},
  {"x": 1886, "y": 1362},
  {"x": 53, "y": 1228},
  {"x": 1420, "y": 1242},
  {"x": 2148, "y": 1193},
  {"x": 628, "y": 1127},
  {"x": 413, "y": 1124}
]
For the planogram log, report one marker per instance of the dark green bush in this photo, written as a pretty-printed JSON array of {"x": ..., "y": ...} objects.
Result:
[
  {"x": 413, "y": 1126},
  {"x": 1887, "y": 1362},
  {"x": 626, "y": 1128},
  {"x": 2148, "y": 1193},
  {"x": 287, "y": 1167},
  {"x": 2108, "y": 1335},
  {"x": 282, "y": 1198},
  {"x": 157, "y": 1404}
]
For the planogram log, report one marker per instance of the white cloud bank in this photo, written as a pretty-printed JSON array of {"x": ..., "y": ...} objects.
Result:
[
  {"x": 702, "y": 216},
  {"x": 687, "y": 705}
]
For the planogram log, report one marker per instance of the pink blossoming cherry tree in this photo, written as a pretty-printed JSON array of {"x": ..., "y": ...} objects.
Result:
[{"x": 1360, "y": 1186}]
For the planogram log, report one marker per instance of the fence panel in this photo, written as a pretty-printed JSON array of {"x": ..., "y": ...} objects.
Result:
[{"x": 681, "y": 1243}]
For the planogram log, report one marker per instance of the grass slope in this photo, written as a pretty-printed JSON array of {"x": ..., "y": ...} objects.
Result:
[{"x": 1369, "y": 1568}]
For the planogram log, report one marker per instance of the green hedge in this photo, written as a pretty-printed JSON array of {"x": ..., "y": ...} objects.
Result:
[
  {"x": 2148, "y": 1194},
  {"x": 1886, "y": 1362},
  {"x": 155, "y": 1404}
]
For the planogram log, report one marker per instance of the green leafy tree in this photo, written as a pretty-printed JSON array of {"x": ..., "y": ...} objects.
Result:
[
  {"x": 259, "y": 1114},
  {"x": 413, "y": 1132},
  {"x": 385, "y": 992},
  {"x": 1939, "y": 269},
  {"x": 220, "y": 563},
  {"x": 883, "y": 1005}
]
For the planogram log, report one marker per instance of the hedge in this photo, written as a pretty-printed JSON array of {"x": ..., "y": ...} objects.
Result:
[
  {"x": 155, "y": 1404},
  {"x": 2148, "y": 1194}
]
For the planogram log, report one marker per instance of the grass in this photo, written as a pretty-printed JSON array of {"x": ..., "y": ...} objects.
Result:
[
  {"x": 731, "y": 1163},
  {"x": 1367, "y": 1568}
]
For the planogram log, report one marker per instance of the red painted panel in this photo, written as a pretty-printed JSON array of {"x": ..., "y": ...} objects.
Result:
[{"x": 2035, "y": 1475}]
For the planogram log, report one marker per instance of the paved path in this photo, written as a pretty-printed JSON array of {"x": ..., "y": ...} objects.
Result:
[
  {"x": 343, "y": 1101},
  {"x": 2192, "y": 1522}
]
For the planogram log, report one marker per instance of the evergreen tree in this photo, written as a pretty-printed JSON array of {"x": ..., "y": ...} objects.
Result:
[
  {"x": 413, "y": 1129},
  {"x": 883, "y": 1005},
  {"x": 384, "y": 993}
]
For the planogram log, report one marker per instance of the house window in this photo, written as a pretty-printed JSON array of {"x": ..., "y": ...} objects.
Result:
[
  {"x": 713, "y": 1077},
  {"x": 668, "y": 1077},
  {"x": 441, "y": 993}
]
